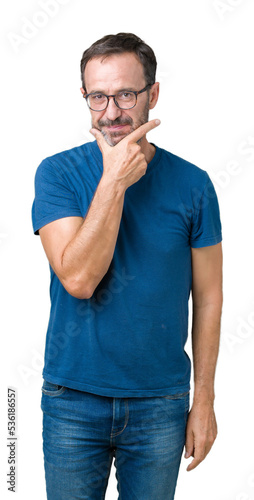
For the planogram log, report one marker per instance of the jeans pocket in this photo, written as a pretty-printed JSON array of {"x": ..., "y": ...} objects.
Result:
[
  {"x": 182, "y": 401},
  {"x": 52, "y": 390}
]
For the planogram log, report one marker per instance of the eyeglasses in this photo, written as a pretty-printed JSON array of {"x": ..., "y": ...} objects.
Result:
[{"x": 126, "y": 99}]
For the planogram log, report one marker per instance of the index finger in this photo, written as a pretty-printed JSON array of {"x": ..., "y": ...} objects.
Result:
[{"x": 142, "y": 130}]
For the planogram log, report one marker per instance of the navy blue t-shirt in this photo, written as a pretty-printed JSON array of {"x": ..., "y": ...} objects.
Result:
[{"x": 128, "y": 339}]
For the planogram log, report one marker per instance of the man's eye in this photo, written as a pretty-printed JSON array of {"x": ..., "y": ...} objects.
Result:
[
  {"x": 97, "y": 97},
  {"x": 125, "y": 95}
]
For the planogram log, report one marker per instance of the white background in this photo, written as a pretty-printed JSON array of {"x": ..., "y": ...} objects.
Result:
[{"x": 205, "y": 65}]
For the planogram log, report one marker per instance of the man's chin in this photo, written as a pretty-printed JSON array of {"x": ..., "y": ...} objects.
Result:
[{"x": 113, "y": 140}]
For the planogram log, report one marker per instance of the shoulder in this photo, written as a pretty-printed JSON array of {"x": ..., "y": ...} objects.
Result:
[
  {"x": 184, "y": 169},
  {"x": 75, "y": 154},
  {"x": 66, "y": 162},
  {"x": 189, "y": 182}
]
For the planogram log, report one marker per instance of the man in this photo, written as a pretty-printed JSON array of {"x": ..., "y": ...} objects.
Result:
[{"x": 129, "y": 230}]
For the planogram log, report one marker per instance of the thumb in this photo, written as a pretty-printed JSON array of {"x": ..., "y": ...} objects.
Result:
[{"x": 99, "y": 138}]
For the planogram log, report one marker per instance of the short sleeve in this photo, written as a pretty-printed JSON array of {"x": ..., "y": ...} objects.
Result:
[
  {"x": 206, "y": 223},
  {"x": 54, "y": 198}
]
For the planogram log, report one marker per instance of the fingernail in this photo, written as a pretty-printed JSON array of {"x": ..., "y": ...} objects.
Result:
[{"x": 157, "y": 122}]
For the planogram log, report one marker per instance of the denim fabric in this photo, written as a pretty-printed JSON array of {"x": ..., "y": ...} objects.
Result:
[{"x": 84, "y": 432}]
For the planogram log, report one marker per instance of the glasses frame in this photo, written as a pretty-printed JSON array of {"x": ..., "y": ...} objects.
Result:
[{"x": 136, "y": 92}]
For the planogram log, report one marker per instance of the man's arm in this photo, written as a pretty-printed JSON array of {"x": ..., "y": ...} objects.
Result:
[
  {"x": 80, "y": 250},
  {"x": 207, "y": 297}
]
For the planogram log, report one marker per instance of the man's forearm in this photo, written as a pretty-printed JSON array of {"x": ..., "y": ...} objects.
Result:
[
  {"x": 205, "y": 346},
  {"x": 87, "y": 257}
]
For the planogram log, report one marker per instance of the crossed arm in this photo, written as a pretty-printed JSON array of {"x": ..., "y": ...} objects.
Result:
[
  {"x": 80, "y": 250},
  {"x": 201, "y": 428}
]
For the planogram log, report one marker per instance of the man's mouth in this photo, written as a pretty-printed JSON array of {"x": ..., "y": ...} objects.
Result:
[{"x": 116, "y": 128}]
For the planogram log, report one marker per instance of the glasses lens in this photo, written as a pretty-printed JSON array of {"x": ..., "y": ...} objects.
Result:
[
  {"x": 126, "y": 100},
  {"x": 97, "y": 102}
]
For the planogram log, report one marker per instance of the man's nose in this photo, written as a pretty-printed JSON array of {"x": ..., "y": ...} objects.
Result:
[{"x": 112, "y": 111}]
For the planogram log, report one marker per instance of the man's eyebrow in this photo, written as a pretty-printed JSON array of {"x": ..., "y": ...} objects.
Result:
[
  {"x": 127, "y": 89},
  {"x": 123, "y": 89}
]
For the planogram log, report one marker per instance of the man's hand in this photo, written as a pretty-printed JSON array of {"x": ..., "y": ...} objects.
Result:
[
  {"x": 124, "y": 163},
  {"x": 201, "y": 432}
]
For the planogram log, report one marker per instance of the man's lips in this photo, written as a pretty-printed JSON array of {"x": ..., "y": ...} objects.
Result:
[{"x": 115, "y": 128}]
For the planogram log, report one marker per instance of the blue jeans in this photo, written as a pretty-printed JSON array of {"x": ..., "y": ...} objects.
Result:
[{"x": 83, "y": 432}]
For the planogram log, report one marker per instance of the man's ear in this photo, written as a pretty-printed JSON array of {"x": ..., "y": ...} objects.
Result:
[
  {"x": 82, "y": 90},
  {"x": 154, "y": 95}
]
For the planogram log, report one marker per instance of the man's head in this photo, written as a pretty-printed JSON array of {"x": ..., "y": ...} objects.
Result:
[{"x": 114, "y": 64}]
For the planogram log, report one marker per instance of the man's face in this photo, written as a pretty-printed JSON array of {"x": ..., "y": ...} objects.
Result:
[{"x": 109, "y": 76}]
